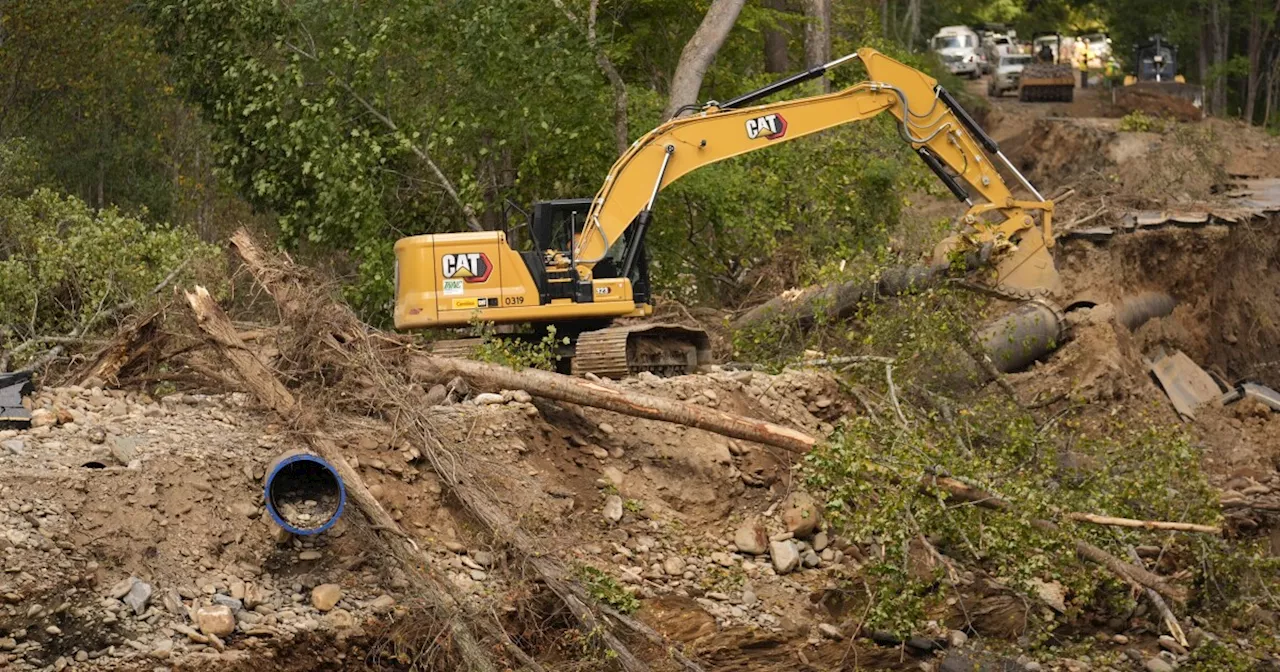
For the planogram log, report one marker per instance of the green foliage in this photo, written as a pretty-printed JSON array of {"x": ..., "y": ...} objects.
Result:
[
  {"x": 870, "y": 471},
  {"x": 1138, "y": 121},
  {"x": 606, "y": 590},
  {"x": 516, "y": 352},
  {"x": 62, "y": 263}
]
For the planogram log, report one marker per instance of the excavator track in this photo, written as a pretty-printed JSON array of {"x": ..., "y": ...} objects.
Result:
[
  {"x": 661, "y": 349},
  {"x": 462, "y": 348}
]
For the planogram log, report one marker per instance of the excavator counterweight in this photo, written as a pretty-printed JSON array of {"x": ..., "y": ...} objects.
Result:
[{"x": 581, "y": 263}]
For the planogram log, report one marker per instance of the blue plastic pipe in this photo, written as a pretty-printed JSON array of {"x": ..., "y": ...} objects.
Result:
[{"x": 298, "y": 470}]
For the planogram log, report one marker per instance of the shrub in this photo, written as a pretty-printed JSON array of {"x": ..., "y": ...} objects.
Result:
[{"x": 62, "y": 264}]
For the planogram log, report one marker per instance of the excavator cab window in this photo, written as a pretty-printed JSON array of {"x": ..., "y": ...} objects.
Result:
[{"x": 554, "y": 223}]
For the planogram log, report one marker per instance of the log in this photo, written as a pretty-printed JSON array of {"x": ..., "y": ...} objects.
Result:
[
  {"x": 1170, "y": 621},
  {"x": 839, "y": 301},
  {"x": 1144, "y": 524},
  {"x": 559, "y": 387},
  {"x": 272, "y": 393}
]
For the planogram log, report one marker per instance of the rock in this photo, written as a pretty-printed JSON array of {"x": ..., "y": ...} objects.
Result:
[
  {"x": 310, "y": 555},
  {"x": 42, "y": 417},
  {"x": 1051, "y": 593},
  {"x": 821, "y": 541},
  {"x": 605, "y": 428},
  {"x": 122, "y": 588},
  {"x": 956, "y": 639},
  {"x": 521, "y": 397},
  {"x": 138, "y": 596},
  {"x": 216, "y": 620},
  {"x": 435, "y": 396},
  {"x": 785, "y": 556},
  {"x": 613, "y": 475},
  {"x": 382, "y": 604},
  {"x": 830, "y": 631},
  {"x": 1170, "y": 644},
  {"x": 1157, "y": 665},
  {"x": 326, "y": 596},
  {"x": 483, "y": 558},
  {"x": 673, "y": 565},
  {"x": 340, "y": 619},
  {"x": 751, "y": 537},
  {"x": 955, "y": 662},
  {"x": 162, "y": 649},
  {"x": 478, "y": 575},
  {"x": 810, "y": 559},
  {"x": 53, "y": 630},
  {"x": 14, "y": 446},
  {"x": 487, "y": 399},
  {"x": 464, "y": 582},
  {"x": 230, "y": 602},
  {"x": 722, "y": 559},
  {"x": 800, "y": 514},
  {"x": 749, "y": 598},
  {"x": 8, "y": 644},
  {"x": 613, "y": 508}
]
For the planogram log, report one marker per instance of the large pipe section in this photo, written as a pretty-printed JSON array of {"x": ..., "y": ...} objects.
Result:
[
  {"x": 303, "y": 493},
  {"x": 1025, "y": 335}
]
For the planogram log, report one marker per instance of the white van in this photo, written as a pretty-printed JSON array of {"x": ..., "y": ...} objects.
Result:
[{"x": 959, "y": 49}]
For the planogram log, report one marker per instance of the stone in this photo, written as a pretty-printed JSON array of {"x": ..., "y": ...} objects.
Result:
[
  {"x": 382, "y": 604},
  {"x": 483, "y": 558},
  {"x": 43, "y": 417},
  {"x": 487, "y": 399},
  {"x": 801, "y": 515},
  {"x": 613, "y": 475},
  {"x": 1051, "y": 593},
  {"x": 326, "y": 596},
  {"x": 613, "y": 508},
  {"x": 956, "y": 639},
  {"x": 785, "y": 556},
  {"x": 122, "y": 588},
  {"x": 310, "y": 555},
  {"x": 1157, "y": 665},
  {"x": 138, "y": 596},
  {"x": 340, "y": 619},
  {"x": 955, "y": 662},
  {"x": 14, "y": 446},
  {"x": 231, "y": 602},
  {"x": 673, "y": 565},
  {"x": 810, "y": 559},
  {"x": 1120, "y": 639},
  {"x": 722, "y": 559},
  {"x": 605, "y": 428},
  {"x": 1171, "y": 645},
  {"x": 830, "y": 631},
  {"x": 162, "y": 649},
  {"x": 53, "y": 630},
  {"x": 435, "y": 396},
  {"x": 751, "y": 537},
  {"x": 820, "y": 541},
  {"x": 216, "y": 620},
  {"x": 521, "y": 397}
]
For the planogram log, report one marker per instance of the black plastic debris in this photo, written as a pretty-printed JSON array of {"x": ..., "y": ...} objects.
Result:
[{"x": 13, "y": 386}]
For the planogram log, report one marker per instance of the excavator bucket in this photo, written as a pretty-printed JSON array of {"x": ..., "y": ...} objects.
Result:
[{"x": 1023, "y": 270}]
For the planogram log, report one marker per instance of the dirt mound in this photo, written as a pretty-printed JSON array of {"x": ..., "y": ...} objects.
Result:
[{"x": 1169, "y": 100}]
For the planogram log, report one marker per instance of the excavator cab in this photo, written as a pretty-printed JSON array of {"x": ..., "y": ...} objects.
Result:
[{"x": 554, "y": 230}]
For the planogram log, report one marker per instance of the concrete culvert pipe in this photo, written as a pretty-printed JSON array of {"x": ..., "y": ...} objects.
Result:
[
  {"x": 1028, "y": 333},
  {"x": 303, "y": 492}
]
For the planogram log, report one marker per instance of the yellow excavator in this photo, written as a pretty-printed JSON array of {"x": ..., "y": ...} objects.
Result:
[{"x": 587, "y": 265}]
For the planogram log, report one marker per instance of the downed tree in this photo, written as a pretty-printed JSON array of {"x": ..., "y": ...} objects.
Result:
[
  {"x": 273, "y": 394},
  {"x": 839, "y": 301}
]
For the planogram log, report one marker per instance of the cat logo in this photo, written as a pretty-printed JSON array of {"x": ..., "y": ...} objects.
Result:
[
  {"x": 470, "y": 266},
  {"x": 771, "y": 126}
]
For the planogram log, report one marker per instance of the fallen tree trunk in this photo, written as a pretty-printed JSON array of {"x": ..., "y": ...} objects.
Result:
[
  {"x": 426, "y": 368},
  {"x": 841, "y": 300},
  {"x": 273, "y": 394}
]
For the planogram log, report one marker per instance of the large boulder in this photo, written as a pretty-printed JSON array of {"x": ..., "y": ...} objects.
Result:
[{"x": 801, "y": 514}]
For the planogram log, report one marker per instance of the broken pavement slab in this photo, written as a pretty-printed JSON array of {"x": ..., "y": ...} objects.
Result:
[
  {"x": 1187, "y": 385},
  {"x": 13, "y": 387}
]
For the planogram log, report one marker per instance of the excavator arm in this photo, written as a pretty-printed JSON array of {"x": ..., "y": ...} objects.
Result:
[{"x": 928, "y": 119}]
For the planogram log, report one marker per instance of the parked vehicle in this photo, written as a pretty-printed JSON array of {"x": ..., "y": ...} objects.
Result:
[
  {"x": 958, "y": 48},
  {"x": 995, "y": 46},
  {"x": 1006, "y": 75}
]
